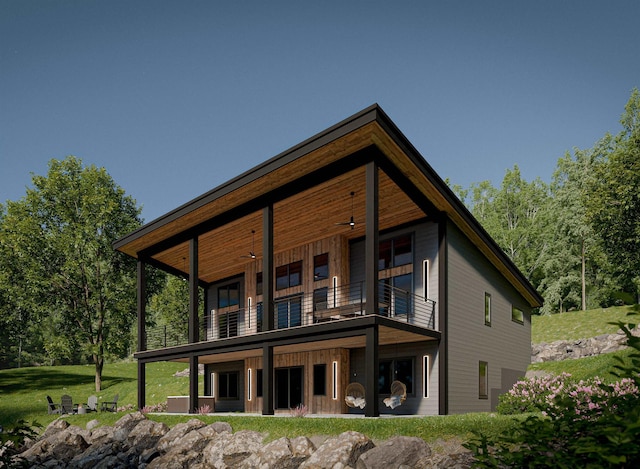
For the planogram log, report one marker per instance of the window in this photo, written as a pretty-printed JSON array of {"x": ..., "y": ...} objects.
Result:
[
  {"x": 392, "y": 370},
  {"x": 228, "y": 385},
  {"x": 228, "y": 324},
  {"x": 259, "y": 283},
  {"x": 289, "y": 312},
  {"x": 487, "y": 309},
  {"x": 259, "y": 383},
  {"x": 229, "y": 295},
  {"x": 320, "y": 379},
  {"x": 395, "y": 252},
  {"x": 320, "y": 298},
  {"x": 289, "y": 275},
  {"x": 394, "y": 295},
  {"x": 517, "y": 315},
  {"x": 259, "y": 323},
  {"x": 321, "y": 267},
  {"x": 483, "y": 380},
  {"x": 288, "y": 387}
]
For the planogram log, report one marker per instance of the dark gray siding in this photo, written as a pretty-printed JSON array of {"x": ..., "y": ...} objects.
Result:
[
  {"x": 416, "y": 403},
  {"x": 505, "y": 345}
]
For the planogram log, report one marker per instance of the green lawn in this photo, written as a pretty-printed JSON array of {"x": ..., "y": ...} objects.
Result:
[{"x": 577, "y": 324}]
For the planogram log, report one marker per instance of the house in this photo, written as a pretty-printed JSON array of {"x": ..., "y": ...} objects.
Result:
[{"x": 342, "y": 274}]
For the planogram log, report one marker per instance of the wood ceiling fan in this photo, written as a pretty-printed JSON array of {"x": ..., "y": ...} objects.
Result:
[
  {"x": 351, "y": 221},
  {"x": 252, "y": 253}
]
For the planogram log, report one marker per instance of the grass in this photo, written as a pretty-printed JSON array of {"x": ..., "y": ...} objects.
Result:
[
  {"x": 23, "y": 391},
  {"x": 577, "y": 324}
]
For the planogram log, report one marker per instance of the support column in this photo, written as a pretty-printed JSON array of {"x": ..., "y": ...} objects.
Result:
[
  {"x": 267, "y": 380},
  {"x": 193, "y": 384},
  {"x": 442, "y": 324},
  {"x": 193, "y": 290},
  {"x": 142, "y": 340},
  {"x": 372, "y": 372},
  {"x": 267, "y": 269},
  {"x": 371, "y": 239}
]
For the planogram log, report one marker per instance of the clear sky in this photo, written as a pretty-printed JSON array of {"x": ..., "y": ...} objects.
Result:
[{"x": 174, "y": 98}]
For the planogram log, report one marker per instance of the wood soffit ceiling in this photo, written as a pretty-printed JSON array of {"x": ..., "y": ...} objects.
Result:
[{"x": 312, "y": 214}]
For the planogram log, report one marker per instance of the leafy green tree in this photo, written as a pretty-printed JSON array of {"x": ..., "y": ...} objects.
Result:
[
  {"x": 614, "y": 203},
  {"x": 515, "y": 216},
  {"x": 61, "y": 269}
]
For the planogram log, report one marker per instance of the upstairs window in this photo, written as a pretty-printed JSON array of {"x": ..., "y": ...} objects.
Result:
[
  {"x": 517, "y": 315},
  {"x": 229, "y": 295},
  {"x": 289, "y": 275},
  {"x": 395, "y": 252},
  {"x": 321, "y": 266},
  {"x": 487, "y": 309}
]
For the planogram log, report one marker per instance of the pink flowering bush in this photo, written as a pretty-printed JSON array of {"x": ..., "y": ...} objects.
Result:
[
  {"x": 161, "y": 407},
  {"x": 553, "y": 395}
]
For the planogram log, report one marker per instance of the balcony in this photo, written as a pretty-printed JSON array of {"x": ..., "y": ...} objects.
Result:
[{"x": 320, "y": 306}]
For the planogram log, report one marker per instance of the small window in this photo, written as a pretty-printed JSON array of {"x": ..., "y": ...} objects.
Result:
[
  {"x": 321, "y": 267},
  {"x": 259, "y": 283},
  {"x": 259, "y": 383},
  {"x": 229, "y": 295},
  {"x": 228, "y": 385},
  {"x": 517, "y": 315},
  {"x": 289, "y": 275},
  {"x": 487, "y": 309},
  {"x": 483, "y": 380},
  {"x": 320, "y": 379}
]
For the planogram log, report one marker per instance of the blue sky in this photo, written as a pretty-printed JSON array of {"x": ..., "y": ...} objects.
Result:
[{"x": 174, "y": 98}]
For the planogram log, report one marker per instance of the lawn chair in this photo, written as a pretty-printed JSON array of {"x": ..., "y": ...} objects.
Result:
[
  {"x": 110, "y": 406},
  {"x": 66, "y": 406},
  {"x": 92, "y": 404},
  {"x": 51, "y": 407}
]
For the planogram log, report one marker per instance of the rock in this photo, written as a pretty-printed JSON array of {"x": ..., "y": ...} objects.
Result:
[
  {"x": 339, "y": 452},
  {"x": 174, "y": 435},
  {"x": 395, "y": 452},
  {"x": 91, "y": 424},
  {"x": 280, "y": 454},
  {"x": 227, "y": 451}
]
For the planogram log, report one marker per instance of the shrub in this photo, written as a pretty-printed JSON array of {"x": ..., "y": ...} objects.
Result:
[
  {"x": 12, "y": 441},
  {"x": 204, "y": 409},
  {"x": 299, "y": 411},
  {"x": 531, "y": 394},
  {"x": 161, "y": 407},
  {"x": 586, "y": 425}
]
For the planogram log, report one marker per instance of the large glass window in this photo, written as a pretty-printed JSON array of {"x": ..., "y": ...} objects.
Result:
[
  {"x": 229, "y": 295},
  {"x": 228, "y": 385},
  {"x": 395, "y": 370},
  {"x": 289, "y": 312},
  {"x": 289, "y": 275},
  {"x": 321, "y": 267},
  {"x": 395, "y": 252}
]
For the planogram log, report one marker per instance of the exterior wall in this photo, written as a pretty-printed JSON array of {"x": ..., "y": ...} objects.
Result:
[
  {"x": 317, "y": 404},
  {"x": 416, "y": 402},
  {"x": 227, "y": 405},
  {"x": 505, "y": 345}
]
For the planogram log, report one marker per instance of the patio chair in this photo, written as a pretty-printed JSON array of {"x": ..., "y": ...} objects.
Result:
[
  {"x": 110, "y": 406},
  {"x": 66, "y": 405},
  {"x": 398, "y": 395},
  {"x": 354, "y": 396},
  {"x": 51, "y": 407},
  {"x": 92, "y": 404}
]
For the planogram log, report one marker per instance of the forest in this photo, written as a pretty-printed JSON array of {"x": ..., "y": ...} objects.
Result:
[{"x": 66, "y": 297}]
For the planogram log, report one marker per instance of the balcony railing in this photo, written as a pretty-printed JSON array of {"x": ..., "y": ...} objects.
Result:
[{"x": 323, "y": 305}]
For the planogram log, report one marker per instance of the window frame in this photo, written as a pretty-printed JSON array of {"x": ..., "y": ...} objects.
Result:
[
  {"x": 226, "y": 396},
  {"x": 321, "y": 266}
]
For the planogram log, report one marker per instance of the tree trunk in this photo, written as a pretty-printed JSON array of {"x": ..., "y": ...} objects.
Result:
[
  {"x": 99, "y": 361},
  {"x": 584, "y": 281}
]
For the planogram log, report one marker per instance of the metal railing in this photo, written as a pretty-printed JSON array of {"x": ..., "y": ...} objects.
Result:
[{"x": 319, "y": 306}]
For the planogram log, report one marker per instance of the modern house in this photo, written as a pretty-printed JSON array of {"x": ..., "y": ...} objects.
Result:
[{"x": 344, "y": 275}]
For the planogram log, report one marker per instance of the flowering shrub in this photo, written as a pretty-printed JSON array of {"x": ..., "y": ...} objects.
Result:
[
  {"x": 299, "y": 411},
  {"x": 585, "y": 424},
  {"x": 532, "y": 394},
  {"x": 126, "y": 408},
  {"x": 161, "y": 407},
  {"x": 204, "y": 409},
  {"x": 554, "y": 395}
]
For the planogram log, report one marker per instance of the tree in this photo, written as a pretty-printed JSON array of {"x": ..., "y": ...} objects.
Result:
[
  {"x": 56, "y": 245},
  {"x": 515, "y": 216},
  {"x": 614, "y": 203}
]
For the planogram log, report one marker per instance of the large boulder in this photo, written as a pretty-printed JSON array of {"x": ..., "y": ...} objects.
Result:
[
  {"x": 280, "y": 454},
  {"x": 395, "y": 452},
  {"x": 341, "y": 451}
]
